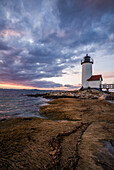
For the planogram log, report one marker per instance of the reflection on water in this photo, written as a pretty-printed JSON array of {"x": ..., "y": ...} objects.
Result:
[
  {"x": 110, "y": 101},
  {"x": 14, "y": 103},
  {"x": 110, "y": 146}
]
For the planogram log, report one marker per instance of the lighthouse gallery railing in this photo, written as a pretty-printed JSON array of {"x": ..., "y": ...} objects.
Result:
[{"x": 90, "y": 60}]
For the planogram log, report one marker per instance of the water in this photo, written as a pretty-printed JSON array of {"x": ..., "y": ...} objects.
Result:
[
  {"x": 14, "y": 103},
  {"x": 110, "y": 101},
  {"x": 109, "y": 146}
]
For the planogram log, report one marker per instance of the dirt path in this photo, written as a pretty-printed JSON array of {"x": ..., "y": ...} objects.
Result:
[{"x": 81, "y": 139}]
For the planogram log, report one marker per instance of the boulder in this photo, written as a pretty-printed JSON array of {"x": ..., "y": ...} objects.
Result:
[
  {"x": 106, "y": 97},
  {"x": 109, "y": 97}
]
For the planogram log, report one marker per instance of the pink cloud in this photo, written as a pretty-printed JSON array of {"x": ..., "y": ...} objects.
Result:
[{"x": 8, "y": 32}]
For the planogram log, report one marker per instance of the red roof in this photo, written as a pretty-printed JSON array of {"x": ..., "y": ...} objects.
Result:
[{"x": 95, "y": 78}]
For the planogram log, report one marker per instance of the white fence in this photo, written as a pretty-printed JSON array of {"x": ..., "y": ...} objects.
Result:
[{"x": 107, "y": 86}]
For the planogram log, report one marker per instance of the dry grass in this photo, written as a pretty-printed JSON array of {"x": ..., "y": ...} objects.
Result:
[
  {"x": 24, "y": 142},
  {"x": 78, "y": 109}
]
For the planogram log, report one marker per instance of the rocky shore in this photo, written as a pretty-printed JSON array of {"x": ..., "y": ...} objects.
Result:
[
  {"x": 78, "y": 133},
  {"x": 80, "y": 94}
]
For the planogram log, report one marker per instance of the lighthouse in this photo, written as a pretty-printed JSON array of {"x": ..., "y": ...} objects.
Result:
[
  {"x": 89, "y": 80},
  {"x": 86, "y": 63}
]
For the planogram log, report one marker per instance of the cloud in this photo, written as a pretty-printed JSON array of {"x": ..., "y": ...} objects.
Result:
[
  {"x": 46, "y": 84},
  {"x": 4, "y": 46},
  {"x": 41, "y": 39},
  {"x": 35, "y": 84},
  {"x": 71, "y": 86}
]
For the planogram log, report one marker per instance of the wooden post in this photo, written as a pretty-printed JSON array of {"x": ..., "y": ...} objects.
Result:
[
  {"x": 107, "y": 89},
  {"x": 100, "y": 87}
]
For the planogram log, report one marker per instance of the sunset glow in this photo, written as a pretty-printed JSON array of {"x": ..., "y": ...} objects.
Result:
[
  {"x": 15, "y": 86},
  {"x": 42, "y": 42}
]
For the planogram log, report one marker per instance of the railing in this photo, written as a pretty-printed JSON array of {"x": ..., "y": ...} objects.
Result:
[
  {"x": 107, "y": 86},
  {"x": 87, "y": 61}
]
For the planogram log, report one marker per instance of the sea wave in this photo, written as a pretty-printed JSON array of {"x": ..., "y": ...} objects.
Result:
[{"x": 14, "y": 103}]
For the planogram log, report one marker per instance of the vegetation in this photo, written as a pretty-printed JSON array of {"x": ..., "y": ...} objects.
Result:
[{"x": 73, "y": 136}]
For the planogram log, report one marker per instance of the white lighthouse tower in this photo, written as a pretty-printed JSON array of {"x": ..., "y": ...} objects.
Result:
[{"x": 86, "y": 63}]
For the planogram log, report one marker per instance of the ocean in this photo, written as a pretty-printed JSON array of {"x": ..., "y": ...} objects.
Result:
[{"x": 15, "y": 103}]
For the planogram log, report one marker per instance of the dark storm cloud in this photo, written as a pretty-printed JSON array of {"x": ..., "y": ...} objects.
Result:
[
  {"x": 40, "y": 39},
  {"x": 45, "y": 84},
  {"x": 89, "y": 21},
  {"x": 71, "y": 86},
  {"x": 4, "y": 46}
]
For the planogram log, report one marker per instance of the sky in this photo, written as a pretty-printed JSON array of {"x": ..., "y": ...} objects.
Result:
[{"x": 42, "y": 42}]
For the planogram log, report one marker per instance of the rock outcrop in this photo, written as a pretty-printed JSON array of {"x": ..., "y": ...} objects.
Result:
[{"x": 81, "y": 94}]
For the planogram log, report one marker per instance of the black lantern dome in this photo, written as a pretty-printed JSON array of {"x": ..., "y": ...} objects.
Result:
[{"x": 87, "y": 59}]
